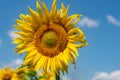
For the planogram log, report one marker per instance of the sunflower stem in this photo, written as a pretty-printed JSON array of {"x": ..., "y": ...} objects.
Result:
[{"x": 58, "y": 76}]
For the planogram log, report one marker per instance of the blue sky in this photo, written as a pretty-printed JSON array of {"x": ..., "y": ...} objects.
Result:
[{"x": 100, "y": 23}]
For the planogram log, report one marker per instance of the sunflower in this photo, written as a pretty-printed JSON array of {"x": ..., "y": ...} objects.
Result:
[
  {"x": 10, "y": 74},
  {"x": 6, "y": 74},
  {"x": 18, "y": 74},
  {"x": 49, "y": 38},
  {"x": 47, "y": 76}
]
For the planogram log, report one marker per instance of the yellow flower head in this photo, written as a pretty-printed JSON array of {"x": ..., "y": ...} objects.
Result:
[
  {"x": 6, "y": 74},
  {"x": 18, "y": 74},
  {"x": 9, "y": 74},
  {"x": 47, "y": 76},
  {"x": 50, "y": 38}
]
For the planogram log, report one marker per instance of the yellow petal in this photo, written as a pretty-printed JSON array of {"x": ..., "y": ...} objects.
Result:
[
  {"x": 72, "y": 31},
  {"x": 45, "y": 67},
  {"x": 72, "y": 53},
  {"x": 27, "y": 18},
  {"x": 24, "y": 29},
  {"x": 30, "y": 54},
  {"x": 23, "y": 34},
  {"x": 71, "y": 58},
  {"x": 81, "y": 45},
  {"x": 39, "y": 9},
  {"x": 63, "y": 7},
  {"x": 28, "y": 61},
  {"x": 22, "y": 48},
  {"x": 73, "y": 48},
  {"x": 64, "y": 16},
  {"x": 36, "y": 58},
  {"x": 66, "y": 11},
  {"x": 17, "y": 41},
  {"x": 75, "y": 21},
  {"x": 26, "y": 25},
  {"x": 54, "y": 10},
  {"x": 34, "y": 14},
  {"x": 76, "y": 35},
  {"x": 72, "y": 18},
  {"x": 39, "y": 63},
  {"x": 46, "y": 11},
  {"x": 48, "y": 63},
  {"x": 63, "y": 62}
]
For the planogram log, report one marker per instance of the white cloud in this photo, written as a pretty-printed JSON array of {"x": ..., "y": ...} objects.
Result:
[
  {"x": 112, "y": 20},
  {"x": 115, "y": 75},
  {"x": 11, "y": 34},
  {"x": 13, "y": 64},
  {"x": 88, "y": 22},
  {"x": 16, "y": 63}
]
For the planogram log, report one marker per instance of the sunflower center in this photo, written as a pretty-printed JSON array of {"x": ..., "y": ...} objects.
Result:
[
  {"x": 7, "y": 77},
  {"x": 50, "y": 38}
]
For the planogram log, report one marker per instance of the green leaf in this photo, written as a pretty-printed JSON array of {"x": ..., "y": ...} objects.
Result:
[
  {"x": 41, "y": 77},
  {"x": 31, "y": 73},
  {"x": 27, "y": 78}
]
